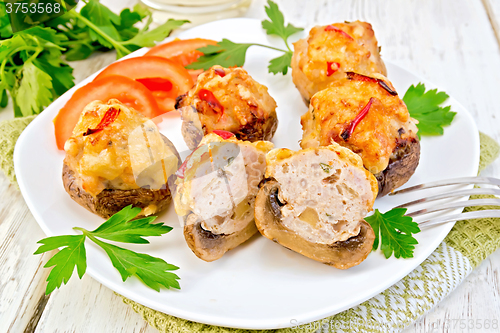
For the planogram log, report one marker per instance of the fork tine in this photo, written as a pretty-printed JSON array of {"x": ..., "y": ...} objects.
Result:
[
  {"x": 446, "y": 182},
  {"x": 459, "y": 204},
  {"x": 473, "y": 191},
  {"x": 462, "y": 216}
]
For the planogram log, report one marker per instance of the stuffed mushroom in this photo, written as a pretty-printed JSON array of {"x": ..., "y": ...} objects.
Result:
[
  {"x": 116, "y": 157},
  {"x": 332, "y": 50},
  {"x": 227, "y": 99},
  {"x": 215, "y": 195},
  {"x": 313, "y": 202},
  {"x": 366, "y": 115}
]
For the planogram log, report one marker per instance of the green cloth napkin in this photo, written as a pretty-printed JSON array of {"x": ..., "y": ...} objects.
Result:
[
  {"x": 9, "y": 132},
  {"x": 467, "y": 244}
]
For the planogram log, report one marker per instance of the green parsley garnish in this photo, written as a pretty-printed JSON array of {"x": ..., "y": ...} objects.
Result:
[
  {"x": 394, "y": 232},
  {"x": 228, "y": 54},
  {"x": 121, "y": 227},
  {"x": 425, "y": 107},
  {"x": 326, "y": 168},
  {"x": 34, "y": 62}
]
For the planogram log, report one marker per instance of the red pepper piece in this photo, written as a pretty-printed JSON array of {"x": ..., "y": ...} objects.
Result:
[
  {"x": 364, "y": 78},
  {"x": 109, "y": 117},
  {"x": 350, "y": 129},
  {"x": 182, "y": 169},
  {"x": 208, "y": 96},
  {"x": 360, "y": 77},
  {"x": 156, "y": 83},
  {"x": 330, "y": 69},
  {"x": 223, "y": 134},
  {"x": 220, "y": 72},
  {"x": 340, "y": 31}
]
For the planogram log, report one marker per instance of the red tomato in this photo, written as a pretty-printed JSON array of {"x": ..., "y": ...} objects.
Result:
[
  {"x": 127, "y": 91},
  {"x": 182, "y": 51},
  {"x": 149, "y": 70}
]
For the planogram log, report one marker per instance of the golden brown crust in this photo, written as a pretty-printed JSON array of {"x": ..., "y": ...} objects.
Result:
[
  {"x": 242, "y": 106},
  {"x": 377, "y": 138},
  {"x": 341, "y": 255},
  {"x": 331, "y": 51}
]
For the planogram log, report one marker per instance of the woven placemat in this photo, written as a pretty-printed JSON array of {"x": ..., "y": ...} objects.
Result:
[{"x": 467, "y": 245}]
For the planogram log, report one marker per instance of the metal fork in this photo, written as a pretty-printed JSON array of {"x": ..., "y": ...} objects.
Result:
[{"x": 436, "y": 206}]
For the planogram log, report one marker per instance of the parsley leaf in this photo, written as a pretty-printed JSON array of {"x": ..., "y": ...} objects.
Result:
[
  {"x": 326, "y": 168},
  {"x": 4, "y": 99},
  {"x": 61, "y": 74},
  {"x": 33, "y": 90},
  {"x": 394, "y": 232},
  {"x": 225, "y": 54},
  {"x": 5, "y": 27},
  {"x": 280, "y": 64},
  {"x": 103, "y": 23},
  {"x": 121, "y": 227},
  {"x": 425, "y": 107},
  {"x": 64, "y": 262},
  {"x": 33, "y": 62},
  {"x": 150, "y": 270},
  {"x": 149, "y": 38},
  {"x": 277, "y": 24},
  {"x": 229, "y": 54}
]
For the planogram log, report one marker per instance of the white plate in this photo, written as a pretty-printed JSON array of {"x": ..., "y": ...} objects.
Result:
[{"x": 260, "y": 284}]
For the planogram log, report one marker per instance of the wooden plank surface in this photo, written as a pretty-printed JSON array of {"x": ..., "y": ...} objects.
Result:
[
  {"x": 22, "y": 293},
  {"x": 87, "y": 306},
  {"x": 450, "y": 42}
]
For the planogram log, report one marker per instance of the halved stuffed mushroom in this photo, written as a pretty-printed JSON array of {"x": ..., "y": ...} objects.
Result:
[
  {"x": 116, "y": 157},
  {"x": 313, "y": 202},
  {"x": 215, "y": 195},
  {"x": 366, "y": 115},
  {"x": 227, "y": 99},
  {"x": 332, "y": 50}
]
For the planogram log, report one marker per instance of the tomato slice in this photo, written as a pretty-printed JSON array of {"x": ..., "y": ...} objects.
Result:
[
  {"x": 154, "y": 69},
  {"x": 182, "y": 51},
  {"x": 127, "y": 91}
]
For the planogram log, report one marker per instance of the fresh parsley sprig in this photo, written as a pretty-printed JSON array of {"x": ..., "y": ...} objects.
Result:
[
  {"x": 121, "y": 227},
  {"x": 425, "y": 107},
  {"x": 33, "y": 62},
  {"x": 228, "y": 54},
  {"x": 394, "y": 232}
]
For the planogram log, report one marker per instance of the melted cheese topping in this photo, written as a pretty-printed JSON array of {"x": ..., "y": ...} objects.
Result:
[
  {"x": 243, "y": 99},
  {"x": 358, "y": 54},
  {"x": 125, "y": 154},
  {"x": 374, "y": 138},
  {"x": 326, "y": 191}
]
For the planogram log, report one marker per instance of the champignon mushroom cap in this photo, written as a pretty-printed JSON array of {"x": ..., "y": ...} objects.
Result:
[
  {"x": 209, "y": 246},
  {"x": 401, "y": 167},
  {"x": 343, "y": 255}
]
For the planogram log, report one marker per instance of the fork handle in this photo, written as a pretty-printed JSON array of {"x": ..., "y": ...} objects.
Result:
[{"x": 481, "y": 214}]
